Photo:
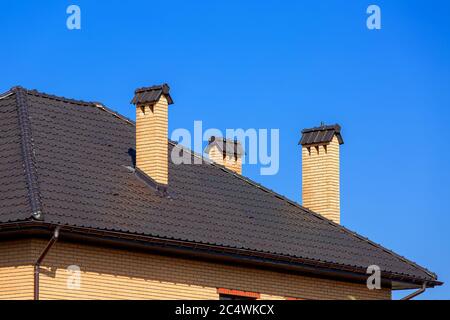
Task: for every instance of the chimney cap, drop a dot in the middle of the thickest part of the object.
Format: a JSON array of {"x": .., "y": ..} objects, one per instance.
[
  {"x": 227, "y": 146},
  {"x": 151, "y": 94},
  {"x": 321, "y": 134}
]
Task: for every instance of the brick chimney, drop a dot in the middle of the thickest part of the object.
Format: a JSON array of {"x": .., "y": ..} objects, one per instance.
[
  {"x": 320, "y": 170},
  {"x": 226, "y": 152},
  {"x": 152, "y": 131}
]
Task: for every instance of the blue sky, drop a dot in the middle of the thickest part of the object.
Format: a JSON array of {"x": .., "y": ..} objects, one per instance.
[{"x": 275, "y": 64}]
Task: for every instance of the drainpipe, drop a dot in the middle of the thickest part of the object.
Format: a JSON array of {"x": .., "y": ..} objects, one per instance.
[
  {"x": 416, "y": 293},
  {"x": 38, "y": 262}
]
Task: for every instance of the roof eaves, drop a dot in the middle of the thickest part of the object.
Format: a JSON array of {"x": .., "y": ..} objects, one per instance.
[
  {"x": 212, "y": 248},
  {"x": 98, "y": 105}
]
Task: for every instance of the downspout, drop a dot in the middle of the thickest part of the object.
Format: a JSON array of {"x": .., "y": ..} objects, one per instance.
[
  {"x": 38, "y": 262},
  {"x": 416, "y": 293}
]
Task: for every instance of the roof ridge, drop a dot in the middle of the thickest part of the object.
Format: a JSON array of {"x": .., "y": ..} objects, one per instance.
[
  {"x": 336, "y": 127},
  {"x": 163, "y": 86},
  {"x": 57, "y": 98},
  {"x": 98, "y": 105},
  {"x": 27, "y": 147},
  {"x": 114, "y": 113},
  {"x": 6, "y": 94}
]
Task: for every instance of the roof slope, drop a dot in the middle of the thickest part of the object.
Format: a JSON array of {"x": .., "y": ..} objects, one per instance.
[{"x": 81, "y": 153}]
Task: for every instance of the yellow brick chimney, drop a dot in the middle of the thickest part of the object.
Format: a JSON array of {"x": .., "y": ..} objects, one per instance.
[
  {"x": 226, "y": 152},
  {"x": 152, "y": 131},
  {"x": 320, "y": 170}
]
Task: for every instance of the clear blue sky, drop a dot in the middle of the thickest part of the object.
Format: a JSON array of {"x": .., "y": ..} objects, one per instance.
[{"x": 275, "y": 64}]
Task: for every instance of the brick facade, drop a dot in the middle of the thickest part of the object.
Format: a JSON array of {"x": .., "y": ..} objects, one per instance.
[{"x": 122, "y": 274}]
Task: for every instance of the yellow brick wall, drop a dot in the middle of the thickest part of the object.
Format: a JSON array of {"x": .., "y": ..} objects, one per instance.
[
  {"x": 151, "y": 140},
  {"x": 16, "y": 271},
  {"x": 229, "y": 162},
  {"x": 121, "y": 274},
  {"x": 320, "y": 179}
]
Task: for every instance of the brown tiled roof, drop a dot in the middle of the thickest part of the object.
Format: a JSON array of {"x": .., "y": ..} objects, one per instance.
[
  {"x": 322, "y": 134},
  {"x": 73, "y": 161}
]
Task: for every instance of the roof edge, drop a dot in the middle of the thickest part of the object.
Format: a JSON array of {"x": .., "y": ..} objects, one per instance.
[
  {"x": 336, "y": 127},
  {"x": 242, "y": 255}
]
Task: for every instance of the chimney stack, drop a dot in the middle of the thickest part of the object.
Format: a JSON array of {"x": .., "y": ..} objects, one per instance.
[
  {"x": 320, "y": 170},
  {"x": 152, "y": 131},
  {"x": 226, "y": 152}
]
